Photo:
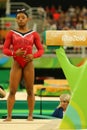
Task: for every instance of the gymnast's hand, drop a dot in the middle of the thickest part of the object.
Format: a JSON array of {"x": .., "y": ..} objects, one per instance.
[
  {"x": 20, "y": 52},
  {"x": 28, "y": 57}
]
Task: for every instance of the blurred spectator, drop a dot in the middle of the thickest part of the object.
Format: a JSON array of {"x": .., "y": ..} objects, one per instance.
[
  {"x": 71, "y": 11},
  {"x": 47, "y": 9},
  {"x": 49, "y": 23},
  {"x": 59, "y": 9},
  {"x": 41, "y": 11},
  {"x": 61, "y": 108},
  {"x": 52, "y": 9}
]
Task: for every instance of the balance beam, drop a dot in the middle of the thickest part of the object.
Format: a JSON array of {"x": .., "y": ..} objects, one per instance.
[
  {"x": 75, "y": 117},
  {"x": 66, "y": 38}
]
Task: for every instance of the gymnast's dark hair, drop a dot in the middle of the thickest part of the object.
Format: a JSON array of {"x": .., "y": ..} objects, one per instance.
[{"x": 21, "y": 11}]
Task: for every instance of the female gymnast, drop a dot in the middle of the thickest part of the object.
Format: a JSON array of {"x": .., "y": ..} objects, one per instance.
[{"x": 19, "y": 44}]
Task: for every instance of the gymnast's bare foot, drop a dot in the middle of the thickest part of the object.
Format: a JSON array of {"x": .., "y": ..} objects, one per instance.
[
  {"x": 7, "y": 119},
  {"x": 30, "y": 118}
]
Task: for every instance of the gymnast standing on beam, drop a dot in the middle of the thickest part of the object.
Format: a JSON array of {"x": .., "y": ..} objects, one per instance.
[{"x": 22, "y": 41}]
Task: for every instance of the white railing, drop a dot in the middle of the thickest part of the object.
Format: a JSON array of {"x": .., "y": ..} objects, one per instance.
[
  {"x": 17, "y": 5},
  {"x": 33, "y": 12}
]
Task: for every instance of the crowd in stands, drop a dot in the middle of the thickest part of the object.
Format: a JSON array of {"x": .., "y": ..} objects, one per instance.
[{"x": 73, "y": 18}]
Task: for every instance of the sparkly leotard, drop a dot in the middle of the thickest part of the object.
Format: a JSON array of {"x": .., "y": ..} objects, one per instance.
[{"x": 25, "y": 41}]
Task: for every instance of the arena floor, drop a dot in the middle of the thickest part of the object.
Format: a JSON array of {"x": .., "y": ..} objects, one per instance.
[{"x": 36, "y": 124}]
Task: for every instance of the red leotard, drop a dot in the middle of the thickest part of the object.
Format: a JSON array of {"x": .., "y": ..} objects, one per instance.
[{"x": 24, "y": 41}]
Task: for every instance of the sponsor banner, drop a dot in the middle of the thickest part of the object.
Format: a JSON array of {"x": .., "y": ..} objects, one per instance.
[{"x": 66, "y": 38}]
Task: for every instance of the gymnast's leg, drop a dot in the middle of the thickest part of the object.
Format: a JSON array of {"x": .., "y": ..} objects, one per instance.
[
  {"x": 15, "y": 76},
  {"x": 28, "y": 74},
  {"x": 2, "y": 92}
]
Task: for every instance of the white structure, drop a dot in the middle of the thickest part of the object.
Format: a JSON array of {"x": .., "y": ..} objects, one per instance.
[{"x": 8, "y": 7}]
